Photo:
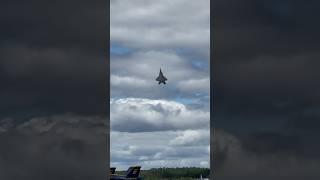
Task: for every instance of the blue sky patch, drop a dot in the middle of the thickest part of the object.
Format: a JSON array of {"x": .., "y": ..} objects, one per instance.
[
  {"x": 200, "y": 64},
  {"x": 185, "y": 100},
  {"x": 116, "y": 49}
]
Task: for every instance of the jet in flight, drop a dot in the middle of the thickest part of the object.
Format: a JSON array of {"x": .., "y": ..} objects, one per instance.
[{"x": 161, "y": 78}]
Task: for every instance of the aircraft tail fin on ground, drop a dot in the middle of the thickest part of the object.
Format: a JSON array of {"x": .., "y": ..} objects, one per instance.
[
  {"x": 133, "y": 172},
  {"x": 112, "y": 170}
]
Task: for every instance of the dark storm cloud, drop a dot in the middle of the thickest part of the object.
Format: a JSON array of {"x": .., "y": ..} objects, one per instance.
[
  {"x": 266, "y": 86},
  {"x": 53, "y": 61}
]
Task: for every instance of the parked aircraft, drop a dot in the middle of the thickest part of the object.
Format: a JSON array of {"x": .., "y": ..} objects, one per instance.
[{"x": 132, "y": 174}]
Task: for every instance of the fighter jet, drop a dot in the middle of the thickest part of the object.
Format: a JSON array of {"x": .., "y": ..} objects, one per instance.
[{"x": 161, "y": 78}]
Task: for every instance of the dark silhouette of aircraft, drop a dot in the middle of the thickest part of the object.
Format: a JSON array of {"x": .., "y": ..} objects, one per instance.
[
  {"x": 161, "y": 78},
  {"x": 132, "y": 174},
  {"x": 112, "y": 170}
]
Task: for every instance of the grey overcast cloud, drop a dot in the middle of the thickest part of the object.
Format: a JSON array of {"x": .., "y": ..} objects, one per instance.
[{"x": 160, "y": 125}]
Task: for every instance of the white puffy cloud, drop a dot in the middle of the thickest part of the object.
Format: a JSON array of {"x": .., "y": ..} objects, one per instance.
[
  {"x": 127, "y": 81},
  {"x": 154, "y": 149},
  {"x": 138, "y": 115},
  {"x": 204, "y": 164},
  {"x": 191, "y": 138}
]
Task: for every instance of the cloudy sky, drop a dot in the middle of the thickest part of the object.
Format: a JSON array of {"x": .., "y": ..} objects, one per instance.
[{"x": 160, "y": 125}]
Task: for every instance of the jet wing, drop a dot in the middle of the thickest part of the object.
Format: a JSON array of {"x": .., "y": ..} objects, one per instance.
[
  {"x": 164, "y": 78},
  {"x": 158, "y": 78}
]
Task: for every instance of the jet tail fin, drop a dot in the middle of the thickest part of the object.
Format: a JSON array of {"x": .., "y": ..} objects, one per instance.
[
  {"x": 133, "y": 172},
  {"x": 112, "y": 170}
]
